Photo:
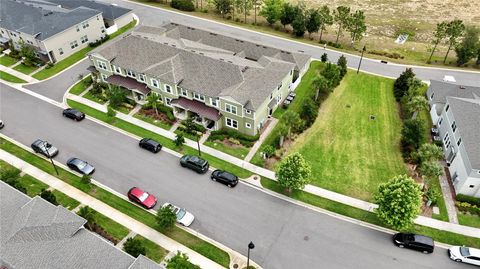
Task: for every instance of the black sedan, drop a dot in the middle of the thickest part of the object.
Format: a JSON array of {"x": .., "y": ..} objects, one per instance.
[
  {"x": 150, "y": 145},
  {"x": 73, "y": 114},
  {"x": 224, "y": 177},
  {"x": 80, "y": 166},
  {"x": 195, "y": 163},
  {"x": 417, "y": 242}
]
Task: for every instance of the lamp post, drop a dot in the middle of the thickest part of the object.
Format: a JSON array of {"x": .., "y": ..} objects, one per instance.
[
  {"x": 361, "y": 57},
  {"x": 250, "y": 246},
  {"x": 45, "y": 144},
  {"x": 198, "y": 145}
]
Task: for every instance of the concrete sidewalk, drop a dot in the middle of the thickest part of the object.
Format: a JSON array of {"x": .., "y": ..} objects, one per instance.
[
  {"x": 130, "y": 223},
  {"x": 357, "y": 203},
  {"x": 17, "y": 74}
]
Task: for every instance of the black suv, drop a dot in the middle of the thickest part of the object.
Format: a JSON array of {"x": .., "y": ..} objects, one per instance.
[
  {"x": 224, "y": 177},
  {"x": 73, "y": 114},
  {"x": 150, "y": 145},
  {"x": 414, "y": 241},
  {"x": 195, "y": 163}
]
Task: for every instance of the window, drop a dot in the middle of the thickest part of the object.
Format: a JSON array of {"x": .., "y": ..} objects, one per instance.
[
  {"x": 98, "y": 18},
  {"x": 447, "y": 107},
  {"x": 85, "y": 24},
  {"x": 271, "y": 96},
  {"x": 231, "y": 109},
  {"x": 291, "y": 72},
  {"x": 445, "y": 137},
  {"x": 118, "y": 70},
  {"x": 231, "y": 123},
  {"x": 60, "y": 51},
  {"x": 440, "y": 121},
  {"x": 130, "y": 73},
  {"x": 248, "y": 111},
  {"x": 459, "y": 141},
  {"x": 198, "y": 96},
  {"x": 248, "y": 125},
  {"x": 280, "y": 86},
  {"x": 214, "y": 102},
  {"x": 73, "y": 44},
  {"x": 454, "y": 126},
  {"x": 183, "y": 92},
  {"x": 168, "y": 88},
  {"x": 168, "y": 101},
  {"x": 84, "y": 39},
  {"x": 471, "y": 187},
  {"x": 104, "y": 78},
  {"x": 155, "y": 83},
  {"x": 141, "y": 77},
  {"x": 431, "y": 96},
  {"x": 78, "y": 28},
  {"x": 102, "y": 65},
  {"x": 103, "y": 29}
]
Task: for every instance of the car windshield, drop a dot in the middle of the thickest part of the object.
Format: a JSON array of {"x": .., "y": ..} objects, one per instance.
[
  {"x": 464, "y": 251},
  {"x": 143, "y": 197},
  {"x": 180, "y": 213},
  {"x": 81, "y": 164}
]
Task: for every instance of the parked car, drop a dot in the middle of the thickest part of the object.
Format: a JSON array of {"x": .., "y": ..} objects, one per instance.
[
  {"x": 224, "y": 177},
  {"x": 437, "y": 138},
  {"x": 414, "y": 241},
  {"x": 73, "y": 114},
  {"x": 464, "y": 254},
  {"x": 142, "y": 198},
  {"x": 183, "y": 216},
  {"x": 1, "y": 124},
  {"x": 44, "y": 148},
  {"x": 292, "y": 94},
  {"x": 150, "y": 145},
  {"x": 80, "y": 166},
  {"x": 434, "y": 131},
  {"x": 195, "y": 163},
  {"x": 289, "y": 98},
  {"x": 286, "y": 103}
]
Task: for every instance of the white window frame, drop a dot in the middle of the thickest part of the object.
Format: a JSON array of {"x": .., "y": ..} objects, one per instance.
[
  {"x": 104, "y": 77},
  {"x": 168, "y": 101},
  {"x": 154, "y": 81},
  {"x": 248, "y": 111},
  {"x": 141, "y": 77},
  {"x": 84, "y": 39},
  {"x": 183, "y": 92},
  {"x": 117, "y": 69},
  {"x": 73, "y": 44},
  {"x": 248, "y": 125},
  {"x": 102, "y": 65},
  {"x": 231, "y": 123},
  {"x": 198, "y": 97},
  {"x": 85, "y": 24},
  {"x": 165, "y": 87},
  {"x": 60, "y": 51},
  {"x": 78, "y": 28},
  {"x": 214, "y": 102},
  {"x": 231, "y": 108},
  {"x": 131, "y": 74}
]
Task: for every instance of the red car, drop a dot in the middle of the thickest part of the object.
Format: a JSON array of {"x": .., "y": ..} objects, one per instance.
[{"x": 142, "y": 198}]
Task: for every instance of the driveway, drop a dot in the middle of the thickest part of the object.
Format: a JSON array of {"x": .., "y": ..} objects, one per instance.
[{"x": 286, "y": 235}]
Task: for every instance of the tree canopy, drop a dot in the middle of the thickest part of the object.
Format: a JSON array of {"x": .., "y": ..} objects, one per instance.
[{"x": 293, "y": 172}]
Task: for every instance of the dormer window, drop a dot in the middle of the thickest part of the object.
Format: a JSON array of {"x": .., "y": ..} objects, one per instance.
[
  {"x": 168, "y": 88},
  {"x": 130, "y": 73}
]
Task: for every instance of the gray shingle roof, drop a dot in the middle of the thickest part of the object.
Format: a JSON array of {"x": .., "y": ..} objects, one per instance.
[
  {"x": 179, "y": 59},
  {"x": 467, "y": 118},
  {"x": 40, "y": 22},
  {"x": 109, "y": 12},
  {"x": 37, "y": 234}
]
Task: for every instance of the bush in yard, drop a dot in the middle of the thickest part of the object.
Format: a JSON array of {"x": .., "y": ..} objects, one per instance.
[
  {"x": 332, "y": 73},
  {"x": 427, "y": 152},
  {"x": 11, "y": 177},
  {"x": 245, "y": 140},
  {"x": 401, "y": 85},
  {"x": 116, "y": 95},
  {"x": 412, "y": 135},
  {"x": 179, "y": 140},
  {"x": 111, "y": 112},
  {"x": 292, "y": 121},
  {"x": 431, "y": 169},
  {"x": 308, "y": 112},
  {"x": 322, "y": 88},
  {"x": 468, "y": 199},
  {"x": 398, "y": 202},
  {"x": 86, "y": 179},
  {"x": 88, "y": 214},
  {"x": 134, "y": 247},
  {"x": 166, "y": 218},
  {"x": 342, "y": 65},
  {"x": 49, "y": 196},
  {"x": 324, "y": 57},
  {"x": 432, "y": 195},
  {"x": 467, "y": 207},
  {"x": 180, "y": 261},
  {"x": 293, "y": 172},
  {"x": 268, "y": 150}
]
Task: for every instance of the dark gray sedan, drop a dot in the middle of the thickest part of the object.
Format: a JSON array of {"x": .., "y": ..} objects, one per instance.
[
  {"x": 44, "y": 148},
  {"x": 80, "y": 166}
]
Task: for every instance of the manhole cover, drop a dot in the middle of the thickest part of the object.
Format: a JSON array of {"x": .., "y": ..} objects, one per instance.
[
  {"x": 306, "y": 238},
  {"x": 235, "y": 266},
  {"x": 255, "y": 177}
]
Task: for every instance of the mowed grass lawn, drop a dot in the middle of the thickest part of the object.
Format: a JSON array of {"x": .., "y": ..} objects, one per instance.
[{"x": 350, "y": 153}]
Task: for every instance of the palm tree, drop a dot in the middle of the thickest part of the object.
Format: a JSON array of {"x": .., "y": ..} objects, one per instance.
[
  {"x": 416, "y": 104},
  {"x": 88, "y": 214},
  {"x": 153, "y": 99},
  {"x": 320, "y": 84}
]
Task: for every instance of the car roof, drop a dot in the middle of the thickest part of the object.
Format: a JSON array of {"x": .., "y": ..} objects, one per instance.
[
  {"x": 474, "y": 252},
  {"x": 151, "y": 141},
  {"x": 228, "y": 175},
  {"x": 37, "y": 142},
  {"x": 136, "y": 191},
  {"x": 76, "y": 160},
  {"x": 423, "y": 239}
]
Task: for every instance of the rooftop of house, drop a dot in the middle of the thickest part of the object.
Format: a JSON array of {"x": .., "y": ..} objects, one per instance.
[
  {"x": 37, "y": 234},
  {"x": 109, "y": 12},
  {"x": 441, "y": 90},
  {"x": 40, "y": 19},
  {"x": 204, "y": 62},
  {"x": 466, "y": 113}
]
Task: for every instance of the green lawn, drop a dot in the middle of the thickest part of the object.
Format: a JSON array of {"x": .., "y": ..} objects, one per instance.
[
  {"x": 34, "y": 186},
  {"x": 112, "y": 227},
  {"x": 7, "y": 60},
  {"x": 10, "y": 78},
  {"x": 469, "y": 220},
  {"x": 350, "y": 153},
  {"x": 77, "y": 56},
  {"x": 93, "y": 98},
  {"x": 81, "y": 85},
  {"x": 157, "y": 123},
  {"x": 154, "y": 252},
  {"x": 204, "y": 248},
  {"x": 25, "y": 69},
  {"x": 66, "y": 201},
  {"x": 437, "y": 235},
  {"x": 237, "y": 151}
]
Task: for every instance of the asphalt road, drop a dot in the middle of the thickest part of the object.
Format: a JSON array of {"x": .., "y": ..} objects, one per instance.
[{"x": 286, "y": 235}]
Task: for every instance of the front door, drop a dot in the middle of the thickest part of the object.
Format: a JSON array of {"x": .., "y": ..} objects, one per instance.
[{"x": 270, "y": 111}]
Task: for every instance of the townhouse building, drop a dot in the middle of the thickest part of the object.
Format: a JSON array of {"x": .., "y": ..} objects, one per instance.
[
  {"x": 219, "y": 81},
  {"x": 455, "y": 110}
]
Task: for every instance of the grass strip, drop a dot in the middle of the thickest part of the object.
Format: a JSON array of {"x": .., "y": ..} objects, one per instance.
[
  {"x": 81, "y": 85},
  {"x": 202, "y": 247},
  {"x": 25, "y": 69},
  {"x": 110, "y": 226},
  {"x": 66, "y": 201},
  {"x": 349, "y": 211},
  {"x": 7, "y": 60},
  {"x": 154, "y": 252},
  {"x": 10, "y": 78}
]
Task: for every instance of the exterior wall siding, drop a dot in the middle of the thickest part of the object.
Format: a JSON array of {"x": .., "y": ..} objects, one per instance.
[{"x": 124, "y": 20}]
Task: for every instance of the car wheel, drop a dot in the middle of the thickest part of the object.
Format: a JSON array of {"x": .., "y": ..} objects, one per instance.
[
  {"x": 230, "y": 185},
  {"x": 214, "y": 179},
  {"x": 401, "y": 246},
  {"x": 458, "y": 260},
  {"x": 425, "y": 252}
]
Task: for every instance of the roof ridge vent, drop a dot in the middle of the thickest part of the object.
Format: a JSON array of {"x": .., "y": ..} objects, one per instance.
[{"x": 462, "y": 87}]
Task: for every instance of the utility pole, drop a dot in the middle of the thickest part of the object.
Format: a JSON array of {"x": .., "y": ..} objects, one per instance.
[{"x": 361, "y": 57}]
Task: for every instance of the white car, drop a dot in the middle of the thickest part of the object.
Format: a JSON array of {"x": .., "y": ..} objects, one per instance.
[
  {"x": 465, "y": 254},
  {"x": 183, "y": 216}
]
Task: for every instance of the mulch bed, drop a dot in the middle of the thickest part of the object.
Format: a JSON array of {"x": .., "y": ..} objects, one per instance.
[
  {"x": 100, "y": 231},
  {"x": 160, "y": 116}
]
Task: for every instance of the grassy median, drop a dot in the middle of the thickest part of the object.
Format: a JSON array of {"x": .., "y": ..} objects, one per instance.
[{"x": 10, "y": 78}]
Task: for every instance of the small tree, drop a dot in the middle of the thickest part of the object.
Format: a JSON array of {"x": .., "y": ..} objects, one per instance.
[
  {"x": 223, "y": 6},
  {"x": 166, "y": 218},
  {"x": 179, "y": 140},
  {"x": 401, "y": 85},
  {"x": 321, "y": 86},
  {"x": 11, "y": 177},
  {"x": 308, "y": 112},
  {"x": 324, "y": 57},
  {"x": 312, "y": 21},
  {"x": 417, "y": 103},
  {"x": 356, "y": 25},
  {"x": 412, "y": 134},
  {"x": 287, "y": 14},
  {"x": 152, "y": 100},
  {"x": 268, "y": 150},
  {"x": 271, "y": 10},
  {"x": 332, "y": 74},
  {"x": 398, "y": 202},
  {"x": 49, "y": 196},
  {"x": 455, "y": 29},
  {"x": 468, "y": 48},
  {"x": 116, "y": 96},
  {"x": 180, "y": 261},
  {"x": 134, "y": 247},
  {"x": 88, "y": 214},
  {"x": 438, "y": 36},
  {"x": 342, "y": 66},
  {"x": 28, "y": 52},
  {"x": 429, "y": 152},
  {"x": 298, "y": 23},
  {"x": 292, "y": 121},
  {"x": 111, "y": 112},
  {"x": 86, "y": 179},
  {"x": 342, "y": 18},
  {"x": 326, "y": 19},
  {"x": 293, "y": 172},
  {"x": 431, "y": 169}
]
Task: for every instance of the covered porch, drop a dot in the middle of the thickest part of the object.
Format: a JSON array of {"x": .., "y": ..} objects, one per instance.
[
  {"x": 202, "y": 114},
  {"x": 139, "y": 91}
]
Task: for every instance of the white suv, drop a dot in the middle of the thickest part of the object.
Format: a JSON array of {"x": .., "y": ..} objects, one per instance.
[{"x": 465, "y": 254}]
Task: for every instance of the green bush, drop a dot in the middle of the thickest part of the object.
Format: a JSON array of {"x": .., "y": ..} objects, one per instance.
[
  {"x": 245, "y": 140},
  {"x": 467, "y": 207},
  {"x": 469, "y": 199},
  {"x": 432, "y": 195},
  {"x": 185, "y": 5}
]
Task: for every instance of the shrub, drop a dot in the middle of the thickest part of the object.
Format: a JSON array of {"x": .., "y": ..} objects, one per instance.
[
  {"x": 467, "y": 207},
  {"x": 234, "y": 141},
  {"x": 245, "y": 140},
  {"x": 185, "y": 5},
  {"x": 86, "y": 179},
  {"x": 468, "y": 199},
  {"x": 49, "y": 197},
  {"x": 432, "y": 195},
  {"x": 134, "y": 247},
  {"x": 324, "y": 58},
  {"x": 111, "y": 112},
  {"x": 179, "y": 140},
  {"x": 268, "y": 150}
]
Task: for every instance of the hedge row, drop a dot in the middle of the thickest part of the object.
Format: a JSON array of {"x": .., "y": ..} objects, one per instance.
[
  {"x": 245, "y": 140},
  {"x": 468, "y": 199}
]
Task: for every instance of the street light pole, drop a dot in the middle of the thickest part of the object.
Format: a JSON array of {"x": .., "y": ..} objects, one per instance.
[
  {"x": 250, "y": 246},
  {"x": 361, "y": 57},
  {"x": 198, "y": 145},
  {"x": 45, "y": 143}
]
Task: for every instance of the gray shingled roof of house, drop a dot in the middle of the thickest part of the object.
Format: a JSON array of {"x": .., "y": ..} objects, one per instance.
[
  {"x": 442, "y": 89},
  {"x": 109, "y": 12},
  {"x": 40, "y": 22},
  {"x": 37, "y": 234},
  {"x": 466, "y": 113},
  {"x": 200, "y": 67}
]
